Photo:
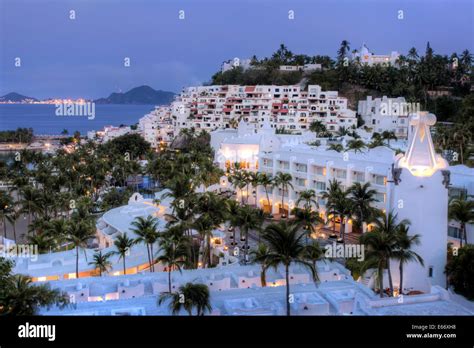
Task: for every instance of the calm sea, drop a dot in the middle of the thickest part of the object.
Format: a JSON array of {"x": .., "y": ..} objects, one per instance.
[{"x": 42, "y": 118}]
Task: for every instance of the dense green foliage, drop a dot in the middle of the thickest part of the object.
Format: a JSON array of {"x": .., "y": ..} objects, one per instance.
[
  {"x": 133, "y": 144},
  {"x": 460, "y": 271},
  {"x": 414, "y": 77},
  {"x": 18, "y": 296},
  {"x": 21, "y": 135}
]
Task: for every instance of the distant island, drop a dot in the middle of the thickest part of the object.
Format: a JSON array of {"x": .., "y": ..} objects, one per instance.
[
  {"x": 139, "y": 95},
  {"x": 14, "y": 97},
  {"x": 136, "y": 96}
]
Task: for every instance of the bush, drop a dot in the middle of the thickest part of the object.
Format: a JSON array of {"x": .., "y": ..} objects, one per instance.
[{"x": 460, "y": 271}]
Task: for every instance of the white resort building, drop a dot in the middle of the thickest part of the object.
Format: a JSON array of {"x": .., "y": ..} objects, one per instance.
[
  {"x": 386, "y": 114},
  {"x": 156, "y": 127},
  {"x": 284, "y": 107},
  {"x": 313, "y": 167},
  {"x": 364, "y": 56},
  {"x": 414, "y": 185},
  {"x": 109, "y": 133}
]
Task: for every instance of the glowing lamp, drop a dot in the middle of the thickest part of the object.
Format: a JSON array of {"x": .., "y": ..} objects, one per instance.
[{"x": 421, "y": 159}]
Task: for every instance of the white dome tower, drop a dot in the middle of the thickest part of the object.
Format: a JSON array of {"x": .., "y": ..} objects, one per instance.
[{"x": 420, "y": 194}]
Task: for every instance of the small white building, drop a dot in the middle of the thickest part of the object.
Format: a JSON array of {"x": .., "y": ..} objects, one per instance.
[
  {"x": 364, "y": 56},
  {"x": 156, "y": 127},
  {"x": 387, "y": 114},
  {"x": 234, "y": 63},
  {"x": 114, "y": 132}
]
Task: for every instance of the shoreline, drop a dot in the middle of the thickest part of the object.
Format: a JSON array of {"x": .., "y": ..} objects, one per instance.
[{"x": 45, "y": 124}]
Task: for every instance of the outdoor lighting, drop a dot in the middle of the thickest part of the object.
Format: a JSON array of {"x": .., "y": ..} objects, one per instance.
[{"x": 421, "y": 159}]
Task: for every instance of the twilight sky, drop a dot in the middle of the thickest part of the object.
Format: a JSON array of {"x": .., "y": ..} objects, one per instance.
[{"x": 84, "y": 57}]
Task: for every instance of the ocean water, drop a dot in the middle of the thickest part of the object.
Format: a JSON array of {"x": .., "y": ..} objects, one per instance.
[{"x": 43, "y": 119}]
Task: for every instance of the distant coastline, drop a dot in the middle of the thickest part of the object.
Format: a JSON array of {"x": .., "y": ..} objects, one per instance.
[
  {"x": 43, "y": 120},
  {"x": 142, "y": 95}
]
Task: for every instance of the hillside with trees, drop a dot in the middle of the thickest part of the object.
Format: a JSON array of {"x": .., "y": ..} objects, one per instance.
[{"x": 438, "y": 82}]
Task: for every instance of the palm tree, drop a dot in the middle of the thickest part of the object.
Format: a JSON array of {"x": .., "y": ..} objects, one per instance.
[
  {"x": 313, "y": 253},
  {"x": 462, "y": 136},
  {"x": 21, "y": 297},
  {"x": 212, "y": 212},
  {"x": 283, "y": 180},
  {"x": 232, "y": 209},
  {"x": 260, "y": 255},
  {"x": 247, "y": 219},
  {"x": 361, "y": 196},
  {"x": 413, "y": 54},
  {"x": 173, "y": 254},
  {"x": 317, "y": 127},
  {"x": 329, "y": 195},
  {"x": 356, "y": 145},
  {"x": 335, "y": 147},
  {"x": 101, "y": 262},
  {"x": 462, "y": 210},
  {"x": 267, "y": 182},
  {"x": 254, "y": 179},
  {"x": 459, "y": 272},
  {"x": 6, "y": 204},
  {"x": 403, "y": 252},
  {"x": 381, "y": 243},
  {"x": 342, "y": 52},
  {"x": 123, "y": 244},
  {"x": 181, "y": 187},
  {"x": 42, "y": 241},
  {"x": 190, "y": 296},
  {"x": 58, "y": 229},
  {"x": 307, "y": 219},
  {"x": 78, "y": 234},
  {"x": 146, "y": 230},
  {"x": 286, "y": 247},
  {"x": 239, "y": 180},
  {"x": 376, "y": 142},
  {"x": 340, "y": 205},
  {"x": 308, "y": 197},
  {"x": 389, "y": 135},
  {"x": 342, "y": 131},
  {"x": 12, "y": 217},
  {"x": 204, "y": 225}
]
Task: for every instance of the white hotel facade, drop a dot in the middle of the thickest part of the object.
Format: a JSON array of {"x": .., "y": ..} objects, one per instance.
[
  {"x": 288, "y": 107},
  {"x": 386, "y": 114},
  {"x": 313, "y": 167},
  {"x": 415, "y": 185},
  {"x": 364, "y": 56},
  {"x": 156, "y": 127}
]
